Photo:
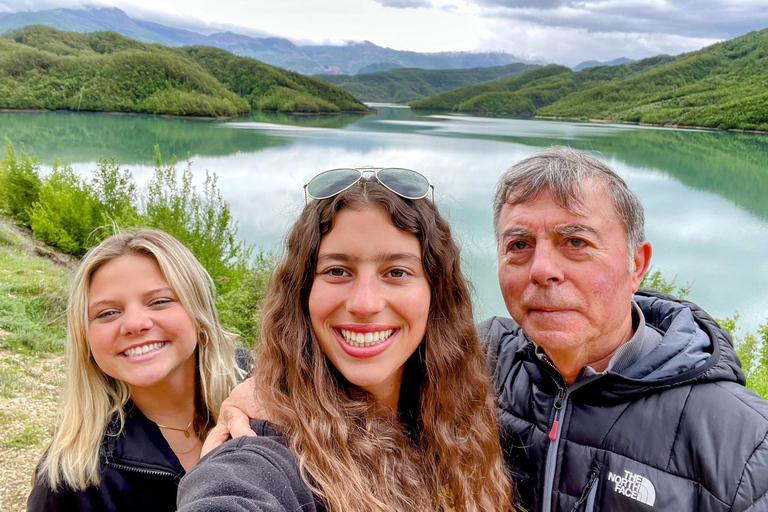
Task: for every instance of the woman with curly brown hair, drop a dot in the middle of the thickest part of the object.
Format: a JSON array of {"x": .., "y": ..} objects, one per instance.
[{"x": 369, "y": 367}]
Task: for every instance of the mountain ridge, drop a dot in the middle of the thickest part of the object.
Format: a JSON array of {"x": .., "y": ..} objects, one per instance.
[
  {"x": 280, "y": 52},
  {"x": 721, "y": 86}
]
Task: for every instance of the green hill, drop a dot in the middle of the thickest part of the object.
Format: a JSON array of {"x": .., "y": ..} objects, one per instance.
[
  {"x": 43, "y": 68},
  {"x": 269, "y": 88},
  {"x": 721, "y": 86},
  {"x": 404, "y": 85}
]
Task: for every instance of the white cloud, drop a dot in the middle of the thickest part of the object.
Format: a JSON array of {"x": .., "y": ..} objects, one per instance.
[{"x": 404, "y": 4}]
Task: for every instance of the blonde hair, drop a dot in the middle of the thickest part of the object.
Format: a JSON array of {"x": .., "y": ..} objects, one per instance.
[{"x": 91, "y": 399}]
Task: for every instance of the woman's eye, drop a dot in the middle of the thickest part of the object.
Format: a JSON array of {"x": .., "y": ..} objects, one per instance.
[
  {"x": 336, "y": 272},
  {"x": 160, "y": 302},
  {"x": 397, "y": 273},
  {"x": 106, "y": 314}
]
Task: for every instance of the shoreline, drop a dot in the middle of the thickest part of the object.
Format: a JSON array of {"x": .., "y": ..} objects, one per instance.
[
  {"x": 672, "y": 126},
  {"x": 174, "y": 116}
]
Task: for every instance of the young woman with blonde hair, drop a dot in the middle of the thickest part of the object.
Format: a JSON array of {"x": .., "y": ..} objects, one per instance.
[
  {"x": 369, "y": 367},
  {"x": 147, "y": 367}
]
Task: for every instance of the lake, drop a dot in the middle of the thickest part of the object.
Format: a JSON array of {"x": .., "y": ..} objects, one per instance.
[{"x": 705, "y": 193}]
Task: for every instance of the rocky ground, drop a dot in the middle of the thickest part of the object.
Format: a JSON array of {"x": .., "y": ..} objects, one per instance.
[{"x": 29, "y": 394}]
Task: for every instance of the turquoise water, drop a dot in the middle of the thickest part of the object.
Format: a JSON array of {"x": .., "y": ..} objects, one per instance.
[{"x": 704, "y": 192}]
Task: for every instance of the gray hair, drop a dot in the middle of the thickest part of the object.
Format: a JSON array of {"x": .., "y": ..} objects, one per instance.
[{"x": 562, "y": 172}]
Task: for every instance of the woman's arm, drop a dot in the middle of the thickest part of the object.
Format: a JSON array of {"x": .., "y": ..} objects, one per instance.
[
  {"x": 253, "y": 474},
  {"x": 234, "y": 416}
]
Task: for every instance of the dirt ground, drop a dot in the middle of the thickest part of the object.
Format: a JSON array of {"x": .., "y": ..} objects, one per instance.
[{"x": 29, "y": 395}]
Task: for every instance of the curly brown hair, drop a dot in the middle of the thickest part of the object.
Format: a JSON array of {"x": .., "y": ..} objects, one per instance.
[{"x": 443, "y": 452}]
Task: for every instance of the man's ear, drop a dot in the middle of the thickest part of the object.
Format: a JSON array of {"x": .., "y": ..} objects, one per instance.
[{"x": 642, "y": 259}]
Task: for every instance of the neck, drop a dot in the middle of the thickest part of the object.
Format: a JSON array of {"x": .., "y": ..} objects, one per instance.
[
  {"x": 596, "y": 354},
  {"x": 168, "y": 403}
]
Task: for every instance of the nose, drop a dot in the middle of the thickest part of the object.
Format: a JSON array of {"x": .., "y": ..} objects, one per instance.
[
  {"x": 367, "y": 296},
  {"x": 135, "y": 321},
  {"x": 545, "y": 267}
]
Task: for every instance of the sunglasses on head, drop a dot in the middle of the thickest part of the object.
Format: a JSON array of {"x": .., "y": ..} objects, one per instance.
[{"x": 406, "y": 183}]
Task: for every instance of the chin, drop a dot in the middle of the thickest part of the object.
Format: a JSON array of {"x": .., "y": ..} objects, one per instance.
[{"x": 554, "y": 339}]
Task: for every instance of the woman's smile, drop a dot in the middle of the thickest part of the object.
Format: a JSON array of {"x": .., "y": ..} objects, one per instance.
[{"x": 369, "y": 306}]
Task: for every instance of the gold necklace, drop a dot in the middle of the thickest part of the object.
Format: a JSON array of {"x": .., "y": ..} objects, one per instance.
[{"x": 185, "y": 430}]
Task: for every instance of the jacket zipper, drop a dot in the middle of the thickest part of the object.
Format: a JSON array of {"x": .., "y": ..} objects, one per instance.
[
  {"x": 586, "y": 493},
  {"x": 152, "y": 472},
  {"x": 554, "y": 440}
]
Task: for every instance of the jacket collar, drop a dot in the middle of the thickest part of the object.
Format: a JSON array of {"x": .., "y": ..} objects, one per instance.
[{"x": 140, "y": 444}]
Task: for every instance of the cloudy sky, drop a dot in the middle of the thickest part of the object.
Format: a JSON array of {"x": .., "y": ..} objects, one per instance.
[{"x": 561, "y": 31}]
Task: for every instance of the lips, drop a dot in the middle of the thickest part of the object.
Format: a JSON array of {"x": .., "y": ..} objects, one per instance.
[
  {"x": 367, "y": 339},
  {"x": 364, "y": 341},
  {"x": 140, "y": 350}
]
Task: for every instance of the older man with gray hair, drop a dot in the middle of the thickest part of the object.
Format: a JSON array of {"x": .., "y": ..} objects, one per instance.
[{"x": 610, "y": 398}]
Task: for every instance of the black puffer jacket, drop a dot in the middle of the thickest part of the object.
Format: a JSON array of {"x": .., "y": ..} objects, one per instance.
[{"x": 678, "y": 432}]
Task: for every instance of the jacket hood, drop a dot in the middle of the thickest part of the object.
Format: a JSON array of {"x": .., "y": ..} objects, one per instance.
[{"x": 693, "y": 345}]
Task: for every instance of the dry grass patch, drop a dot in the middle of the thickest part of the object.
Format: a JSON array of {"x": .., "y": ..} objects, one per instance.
[{"x": 29, "y": 397}]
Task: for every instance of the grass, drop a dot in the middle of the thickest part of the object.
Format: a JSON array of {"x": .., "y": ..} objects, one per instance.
[
  {"x": 30, "y": 435},
  {"x": 33, "y": 291}
]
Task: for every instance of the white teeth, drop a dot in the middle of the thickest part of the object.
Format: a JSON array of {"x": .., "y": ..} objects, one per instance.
[
  {"x": 359, "y": 339},
  {"x": 138, "y": 351}
]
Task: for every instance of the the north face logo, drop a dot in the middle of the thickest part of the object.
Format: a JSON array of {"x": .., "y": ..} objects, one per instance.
[{"x": 634, "y": 486}]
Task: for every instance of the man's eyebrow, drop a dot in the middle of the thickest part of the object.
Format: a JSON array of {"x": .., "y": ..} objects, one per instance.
[
  {"x": 569, "y": 230},
  {"x": 516, "y": 232},
  {"x": 379, "y": 258}
]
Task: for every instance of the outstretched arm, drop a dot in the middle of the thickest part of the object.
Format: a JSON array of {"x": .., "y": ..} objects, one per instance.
[{"x": 246, "y": 475}]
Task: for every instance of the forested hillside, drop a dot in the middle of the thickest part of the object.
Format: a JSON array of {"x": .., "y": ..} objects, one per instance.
[
  {"x": 269, "y": 88},
  {"x": 721, "y": 86},
  {"x": 43, "y": 68},
  {"x": 404, "y": 85}
]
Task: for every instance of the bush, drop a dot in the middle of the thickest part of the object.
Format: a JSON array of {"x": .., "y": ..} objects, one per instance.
[
  {"x": 66, "y": 213},
  {"x": 203, "y": 223},
  {"x": 240, "y": 308},
  {"x": 19, "y": 183},
  {"x": 753, "y": 352}
]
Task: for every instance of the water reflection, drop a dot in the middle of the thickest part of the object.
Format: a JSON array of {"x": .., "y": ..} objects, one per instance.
[{"x": 704, "y": 192}]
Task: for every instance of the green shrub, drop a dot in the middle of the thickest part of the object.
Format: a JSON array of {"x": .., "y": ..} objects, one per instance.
[
  {"x": 654, "y": 280},
  {"x": 19, "y": 183},
  {"x": 116, "y": 192},
  {"x": 240, "y": 307},
  {"x": 66, "y": 212},
  {"x": 203, "y": 223},
  {"x": 753, "y": 353}
]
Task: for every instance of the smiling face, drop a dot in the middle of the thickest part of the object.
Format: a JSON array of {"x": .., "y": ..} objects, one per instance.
[
  {"x": 138, "y": 331},
  {"x": 565, "y": 277},
  {"x": 370, "y": 300}
]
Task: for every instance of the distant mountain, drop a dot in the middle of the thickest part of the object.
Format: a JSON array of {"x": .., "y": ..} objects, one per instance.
[
  {"x": 351, "y": 58},
  {"x": 720, "y": 86},
  {"x": 595, "y": 63},
  {"x": 404, "y": 85},
  {"x": 44, "y": 68}
]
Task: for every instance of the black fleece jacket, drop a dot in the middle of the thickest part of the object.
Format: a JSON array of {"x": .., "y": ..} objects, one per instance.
[{"x": 248, "y": 474}]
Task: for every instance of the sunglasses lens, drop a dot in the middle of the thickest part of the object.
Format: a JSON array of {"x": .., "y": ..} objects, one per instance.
[
  {"x": 330, "y": 183},
  {"x": 405, "y": 182}
]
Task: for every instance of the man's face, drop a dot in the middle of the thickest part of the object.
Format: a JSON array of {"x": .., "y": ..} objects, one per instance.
[{"x": 565, "y": 277}]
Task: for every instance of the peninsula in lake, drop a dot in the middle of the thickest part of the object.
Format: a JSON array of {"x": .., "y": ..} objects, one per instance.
[
  {"x": 721, "y": 86},
  {"x": 44, "y": 68}
]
